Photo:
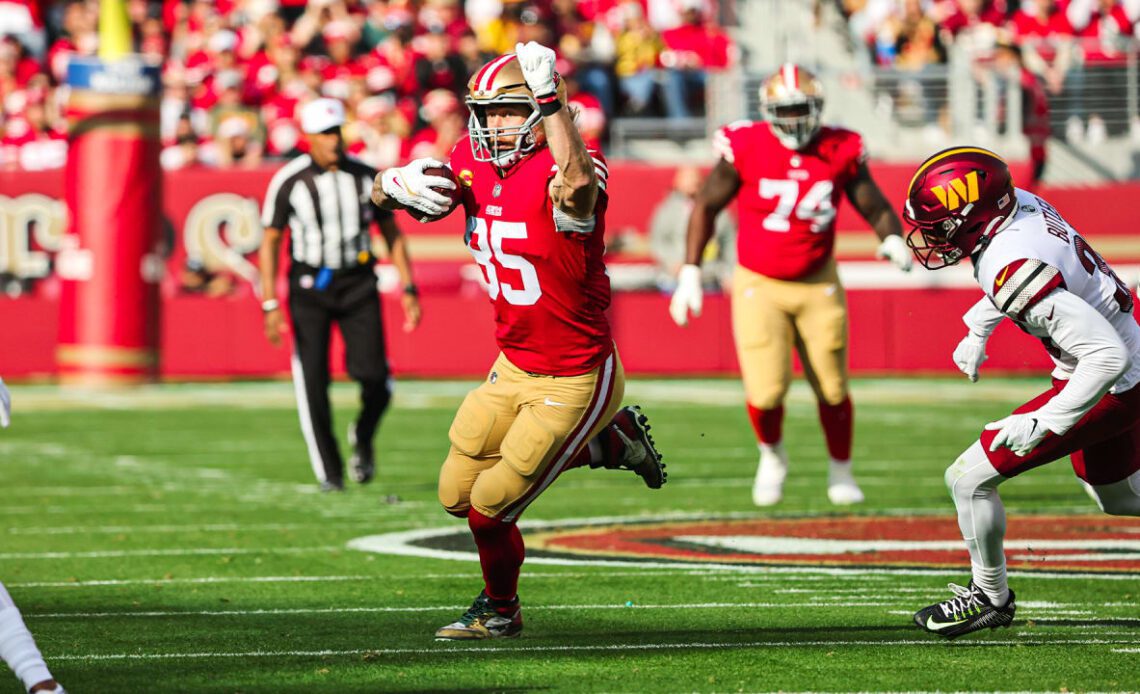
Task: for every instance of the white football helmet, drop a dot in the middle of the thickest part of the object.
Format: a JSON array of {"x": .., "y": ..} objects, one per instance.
[{"x": 792, "y": 101}]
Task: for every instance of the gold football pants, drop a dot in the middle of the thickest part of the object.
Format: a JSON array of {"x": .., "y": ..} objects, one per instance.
[
  {"x": 515, "y": 433},
  {"x": 770, "y": 317}
]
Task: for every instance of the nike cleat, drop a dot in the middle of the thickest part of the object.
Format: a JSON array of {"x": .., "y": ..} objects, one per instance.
[
  {"x": 485, "y": 619},
  {"x": 969, "y": 610},
  {"x": 627, "y": 445}
]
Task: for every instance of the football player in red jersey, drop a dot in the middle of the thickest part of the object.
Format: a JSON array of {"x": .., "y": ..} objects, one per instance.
[
  {"x": 789, "y": 174},
  {"x": 535, "y": 200}
]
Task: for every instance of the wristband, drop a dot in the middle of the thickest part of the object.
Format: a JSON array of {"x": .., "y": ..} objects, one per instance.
[
  {"x": 270, "y": 305},
  {"x": 411, "y": 290},
  {"x": 549, "y": 105}
]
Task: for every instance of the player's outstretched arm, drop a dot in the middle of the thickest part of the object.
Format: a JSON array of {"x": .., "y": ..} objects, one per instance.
[
  {"x": 718, "y": 190},
  {"x": 869, "y": 200},
  {"x": 574, "y": 189}
]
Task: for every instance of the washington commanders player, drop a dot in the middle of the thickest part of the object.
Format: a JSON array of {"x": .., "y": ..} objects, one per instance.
[
  {"x": 1037, "y": 271},
  {"x": 535, "y": 200},
  {"x": 789, "y": 173}
]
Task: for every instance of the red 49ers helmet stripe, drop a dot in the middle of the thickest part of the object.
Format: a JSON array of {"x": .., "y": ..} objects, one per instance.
[
  {"x": 486, "y": 76},
  {"x": 791, "y": 75}
]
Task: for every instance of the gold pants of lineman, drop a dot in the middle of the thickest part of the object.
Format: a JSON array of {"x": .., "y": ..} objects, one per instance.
[{"x": 770, "y": 317}]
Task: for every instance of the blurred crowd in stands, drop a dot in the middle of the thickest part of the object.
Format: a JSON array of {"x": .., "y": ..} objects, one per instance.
[
  {"x": 236, "y": 71},
  {"x": 1073, "y": 49}
]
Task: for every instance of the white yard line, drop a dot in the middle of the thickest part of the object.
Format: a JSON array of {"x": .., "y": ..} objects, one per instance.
[
  {"x": 413, "y": 395},
  {"x": 452, "y": 650},
  {"x": 180, "y": 552},
  {"x": 446, "y": 608},
  {"x": 529, "y": 607},
  {"x": 133, "y": 529}
]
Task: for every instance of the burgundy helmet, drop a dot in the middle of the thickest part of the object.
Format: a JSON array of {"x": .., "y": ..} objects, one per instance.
[{"x": 956, "y": 199}]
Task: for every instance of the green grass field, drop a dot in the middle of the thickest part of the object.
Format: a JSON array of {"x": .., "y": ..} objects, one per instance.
[{"x": 173, "y": 540}]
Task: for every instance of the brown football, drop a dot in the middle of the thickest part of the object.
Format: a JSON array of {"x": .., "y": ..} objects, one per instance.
[{"x": 455, "y": 195}]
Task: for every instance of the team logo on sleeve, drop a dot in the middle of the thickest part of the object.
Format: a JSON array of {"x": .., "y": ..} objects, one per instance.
[
  {"x": 466, "y": 177},
  {"x": 958, "y": 191}
]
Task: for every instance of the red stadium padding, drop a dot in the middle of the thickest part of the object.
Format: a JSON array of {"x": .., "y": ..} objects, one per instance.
[{"x": 896, "y": 326}]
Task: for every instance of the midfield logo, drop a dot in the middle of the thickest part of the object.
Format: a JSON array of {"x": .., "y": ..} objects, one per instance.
[{"x": 958, "y": 192}]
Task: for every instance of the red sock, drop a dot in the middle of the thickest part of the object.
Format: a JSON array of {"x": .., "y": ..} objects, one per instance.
[
  {"x": 838, "y": 425},
  {"x": 501, "y": 554},
  {"x": 769, "y": 424}
]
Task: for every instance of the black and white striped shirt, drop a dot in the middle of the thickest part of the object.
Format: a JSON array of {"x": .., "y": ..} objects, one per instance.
[{"x": 329, "y": 213}]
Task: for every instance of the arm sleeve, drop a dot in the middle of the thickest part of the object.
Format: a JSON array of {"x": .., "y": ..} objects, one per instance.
[
  {"x": 983, "y": 318},
  {"x": 1079, "y": 330}
]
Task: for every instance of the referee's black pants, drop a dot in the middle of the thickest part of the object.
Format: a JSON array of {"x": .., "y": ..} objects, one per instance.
[{"x": 351, "y": 300}]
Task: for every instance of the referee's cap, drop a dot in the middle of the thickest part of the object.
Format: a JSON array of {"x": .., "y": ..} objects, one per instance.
[{"x": 320, "y": 115}]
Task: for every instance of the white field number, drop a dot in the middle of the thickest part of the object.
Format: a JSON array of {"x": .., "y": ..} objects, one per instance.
[
  {"x": 486, "y": 247},
  {"x": 814, "y": 207}
]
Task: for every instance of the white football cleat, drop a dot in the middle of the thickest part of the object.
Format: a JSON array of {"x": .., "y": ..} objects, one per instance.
[
  {"x": 768, "y": 488},
  {"x": 841, "y": 487}
]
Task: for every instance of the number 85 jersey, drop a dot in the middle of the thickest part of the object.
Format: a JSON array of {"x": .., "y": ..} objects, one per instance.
[
  {"x": 549, "y": 288},
  {"x": 787, "y": 197}
]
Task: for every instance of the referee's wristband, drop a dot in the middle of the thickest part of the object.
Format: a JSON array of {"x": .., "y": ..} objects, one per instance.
[{"x": 270, "y": 305}]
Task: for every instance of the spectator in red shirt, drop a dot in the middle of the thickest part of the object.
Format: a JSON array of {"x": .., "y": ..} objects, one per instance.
[
  {"x": 442, "y": 113},
  {"x": 438, "y": 67},
  {"x": 691, "y": 50}
]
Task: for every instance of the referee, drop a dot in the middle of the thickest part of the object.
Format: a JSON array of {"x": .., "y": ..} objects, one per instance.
[{"x": 323, "y": 197}]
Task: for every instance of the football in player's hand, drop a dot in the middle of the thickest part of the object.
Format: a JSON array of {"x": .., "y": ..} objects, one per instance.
[{"x": 455, "y": 194}]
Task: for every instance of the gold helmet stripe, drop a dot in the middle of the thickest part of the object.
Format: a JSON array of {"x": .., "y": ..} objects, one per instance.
[
  {"x": 487, "y": 77},
  {"x": 948, "y": 153}
]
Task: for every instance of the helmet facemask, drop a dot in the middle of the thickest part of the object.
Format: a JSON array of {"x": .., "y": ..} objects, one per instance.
[
  {"x": 505, "y": 146},
  {"x": 795, "y": 120},
  {"x": 937, "y": 249}
]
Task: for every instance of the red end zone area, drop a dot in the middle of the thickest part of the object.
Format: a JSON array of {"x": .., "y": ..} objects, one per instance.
[{"x": 899, "y": 323}]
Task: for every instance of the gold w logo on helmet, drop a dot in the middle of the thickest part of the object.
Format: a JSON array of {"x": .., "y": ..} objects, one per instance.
[{"x": 958, "y": 191}]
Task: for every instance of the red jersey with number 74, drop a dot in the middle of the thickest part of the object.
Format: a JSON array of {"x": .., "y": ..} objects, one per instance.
[
  {"x": 549, "y": 288},
  {"x": 788, "y": 198}
]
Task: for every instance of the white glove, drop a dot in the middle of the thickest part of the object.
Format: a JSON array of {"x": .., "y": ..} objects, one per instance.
[
  {"x": 1019, "y": 433},
  {"x": 537, "y": 63},
  {"x": 969, "y": 355},
  {"x": 894, "y": 249},
  {"x": 5, "y": 405},
  {"x": 688, "y": 296},
  {"x": 409, "y": 186}
]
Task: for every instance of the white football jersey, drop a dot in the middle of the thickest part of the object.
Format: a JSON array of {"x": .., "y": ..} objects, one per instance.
[{"x": 1038, "y": 252}]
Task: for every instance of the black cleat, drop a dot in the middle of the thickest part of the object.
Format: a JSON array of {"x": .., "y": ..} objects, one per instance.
[
  {"x": 627, "y": 445},
  {"x": 485, "y": 619},
  {"x": 362, "y": 463},
  {"x": 969, "y": 610}
]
